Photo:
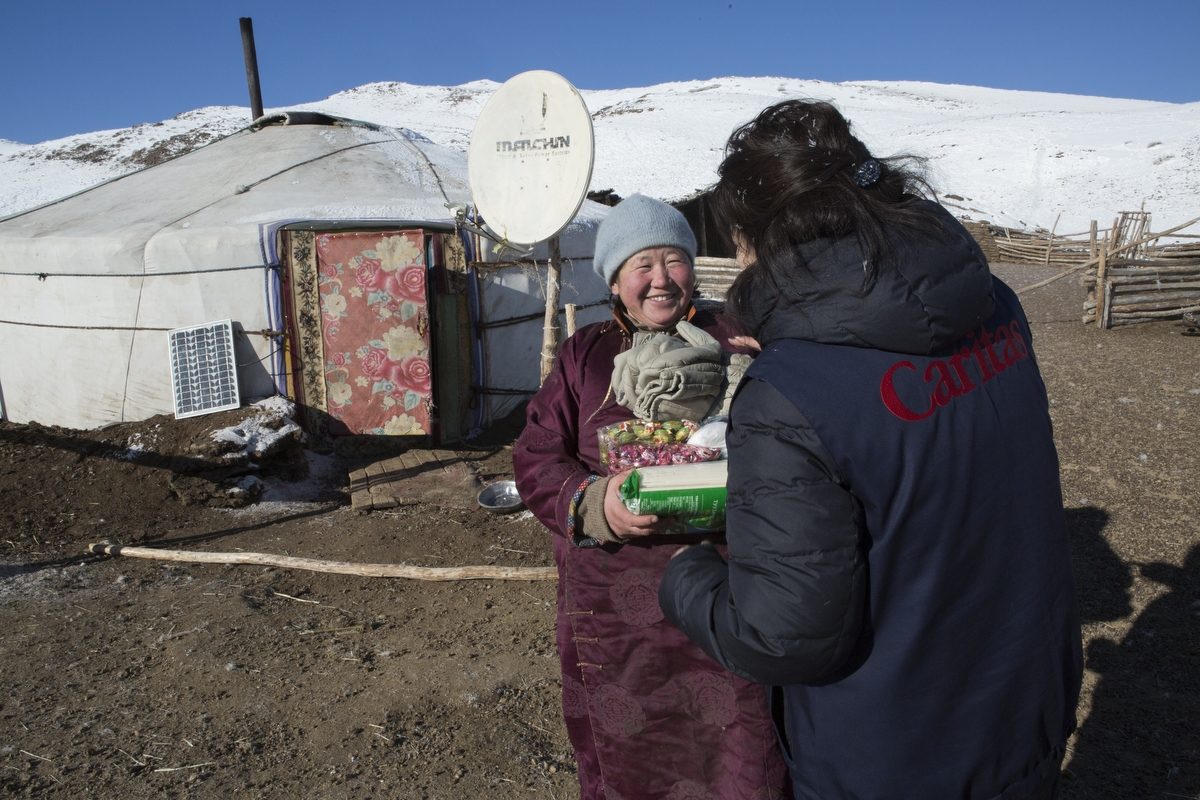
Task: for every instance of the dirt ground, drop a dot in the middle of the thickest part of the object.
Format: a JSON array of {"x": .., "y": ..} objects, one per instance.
[{"x": 132, "y": 678}]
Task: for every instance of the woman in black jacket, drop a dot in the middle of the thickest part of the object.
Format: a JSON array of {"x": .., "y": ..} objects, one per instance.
[{"x": 898, "y": 560}]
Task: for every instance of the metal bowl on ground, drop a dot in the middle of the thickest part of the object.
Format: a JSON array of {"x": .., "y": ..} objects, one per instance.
[{"x": 500, "y": 497}]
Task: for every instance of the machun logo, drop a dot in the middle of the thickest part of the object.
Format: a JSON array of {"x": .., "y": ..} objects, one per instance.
[{"x": 543, "y": 143}]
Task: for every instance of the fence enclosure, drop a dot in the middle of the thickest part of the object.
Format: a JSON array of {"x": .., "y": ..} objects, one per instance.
[{"x": 1131, "y": 277}]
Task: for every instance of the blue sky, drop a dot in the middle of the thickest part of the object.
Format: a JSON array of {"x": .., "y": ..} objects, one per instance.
[{"x": 75, "y": 67}]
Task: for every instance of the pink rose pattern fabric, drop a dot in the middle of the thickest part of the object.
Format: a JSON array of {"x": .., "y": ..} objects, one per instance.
[{"x": 375, "y": 331}]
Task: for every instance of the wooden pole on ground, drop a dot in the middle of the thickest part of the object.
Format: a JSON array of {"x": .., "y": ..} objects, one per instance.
[
  {"x": 550, "y": 326},
  {"x": 490, "y": 573}
]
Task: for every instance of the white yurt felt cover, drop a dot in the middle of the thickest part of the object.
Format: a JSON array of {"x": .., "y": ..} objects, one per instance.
[{"x": 90, "y": 284}]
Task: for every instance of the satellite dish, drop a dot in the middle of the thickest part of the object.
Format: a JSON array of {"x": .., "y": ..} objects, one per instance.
[{"x": 530, "y": 158}]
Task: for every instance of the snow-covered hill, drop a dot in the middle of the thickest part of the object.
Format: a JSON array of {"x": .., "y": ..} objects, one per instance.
[{"x": 1022, "y": 159}]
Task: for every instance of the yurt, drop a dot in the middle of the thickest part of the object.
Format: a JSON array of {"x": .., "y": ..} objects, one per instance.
[{"x": 328, "y": 260}]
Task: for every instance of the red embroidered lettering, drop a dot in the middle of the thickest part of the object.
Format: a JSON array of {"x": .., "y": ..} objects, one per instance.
[
  {"x": 964, "y": 380},
  {"x": 981, "y": 349},
  {"x": 944, "y": 389},
  {"x": 1022, "y": 350},
  {"x": 948, "y": 378},
  {"x": 887, "y": 391}
]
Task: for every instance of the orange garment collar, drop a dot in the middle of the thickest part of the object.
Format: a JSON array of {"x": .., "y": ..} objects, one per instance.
[{"x": 627, "y": 325}]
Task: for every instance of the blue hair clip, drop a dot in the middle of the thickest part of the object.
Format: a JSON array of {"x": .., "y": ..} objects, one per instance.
[{"x": 867, "y": 173}]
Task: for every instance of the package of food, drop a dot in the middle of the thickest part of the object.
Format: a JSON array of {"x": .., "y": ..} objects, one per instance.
[
  {"x": 638, "y": 443},
  {"x": 692, "y": 493}
]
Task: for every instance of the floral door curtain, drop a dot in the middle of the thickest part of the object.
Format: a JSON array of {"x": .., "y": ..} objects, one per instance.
[{"x": 362, "y": 321}]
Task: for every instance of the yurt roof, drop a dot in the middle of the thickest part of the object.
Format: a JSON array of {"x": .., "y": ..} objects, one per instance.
[{"x": 207, "y": 209}]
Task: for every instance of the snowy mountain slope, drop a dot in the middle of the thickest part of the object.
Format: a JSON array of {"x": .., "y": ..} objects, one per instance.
[{"x": 1022, "y": 159}]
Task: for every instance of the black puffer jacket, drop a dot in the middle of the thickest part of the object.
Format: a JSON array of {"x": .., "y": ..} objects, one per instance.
[{"x": 898, "y": 561}]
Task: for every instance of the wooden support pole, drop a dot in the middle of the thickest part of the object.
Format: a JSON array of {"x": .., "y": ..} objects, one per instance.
[
  {"x": 1102, "y": 288},
  {"x": 1050, "y": 241},
  {"x": 570, "y": 311},
  {"x": 1105, "y": 319},
  {"x": 550, "y": 331}
]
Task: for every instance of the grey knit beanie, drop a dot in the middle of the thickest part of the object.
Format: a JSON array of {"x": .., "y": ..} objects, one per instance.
[{"x": 635, "y": 223}]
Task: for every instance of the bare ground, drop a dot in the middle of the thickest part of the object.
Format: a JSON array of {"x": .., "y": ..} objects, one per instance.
[{"x": 129, "y": 678}]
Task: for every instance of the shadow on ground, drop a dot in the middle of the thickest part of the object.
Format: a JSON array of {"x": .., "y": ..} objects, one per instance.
[{"x": 1141, "y": 739}]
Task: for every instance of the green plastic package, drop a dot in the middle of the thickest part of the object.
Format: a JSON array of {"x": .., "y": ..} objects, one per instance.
[{"x": 692, "y": 493}]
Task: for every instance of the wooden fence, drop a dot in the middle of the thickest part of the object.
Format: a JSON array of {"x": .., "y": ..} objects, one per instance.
[
  {"x": 714, "y": 276},
  {"x": 1143, "y": 281},
  {"x": 1049, "y": 250},
  {"x": 1141, "y": 291},
  {"x": 1130, "y": 275}
]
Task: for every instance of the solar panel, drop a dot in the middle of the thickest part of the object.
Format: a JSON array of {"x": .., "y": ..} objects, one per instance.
[{"x": 203, "y": 369}]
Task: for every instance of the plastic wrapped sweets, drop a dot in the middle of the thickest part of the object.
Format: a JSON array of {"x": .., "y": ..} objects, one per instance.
[{"x": 639, "y": 443}]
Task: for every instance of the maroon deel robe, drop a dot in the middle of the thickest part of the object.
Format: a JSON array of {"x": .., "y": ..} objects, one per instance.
[{"x": 649, "y": 714}]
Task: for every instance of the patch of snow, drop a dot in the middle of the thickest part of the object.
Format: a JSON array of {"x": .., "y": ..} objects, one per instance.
[
  {"x": 135, "y": 448},
  {"x": 326, "y": 475},
  {"x": 245, "y": 486},
  {"x": 277, "y": 405},
  {"x": 255, "y": 436}
]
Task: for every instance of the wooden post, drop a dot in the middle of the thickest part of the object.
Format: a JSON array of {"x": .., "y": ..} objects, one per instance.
[
  {"x": 1102, "y": 294},
  {"x": 550, "y": 325},
  {"x": 251, "y": 59},
  {"x": 570, "y": 309},
  {"x": 1092, "y": 241},
  {"x": 1050, "y": 242},
  {"x": 1108, "y": 305}
]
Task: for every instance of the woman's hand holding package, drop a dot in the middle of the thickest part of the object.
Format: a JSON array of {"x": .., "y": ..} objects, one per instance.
[{"x": 623, "y": 522}]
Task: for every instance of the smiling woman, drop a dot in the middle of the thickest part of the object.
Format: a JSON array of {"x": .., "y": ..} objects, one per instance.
[
  {"x": 648, "y": 713},
  {"x": 655, "y": 286}
]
